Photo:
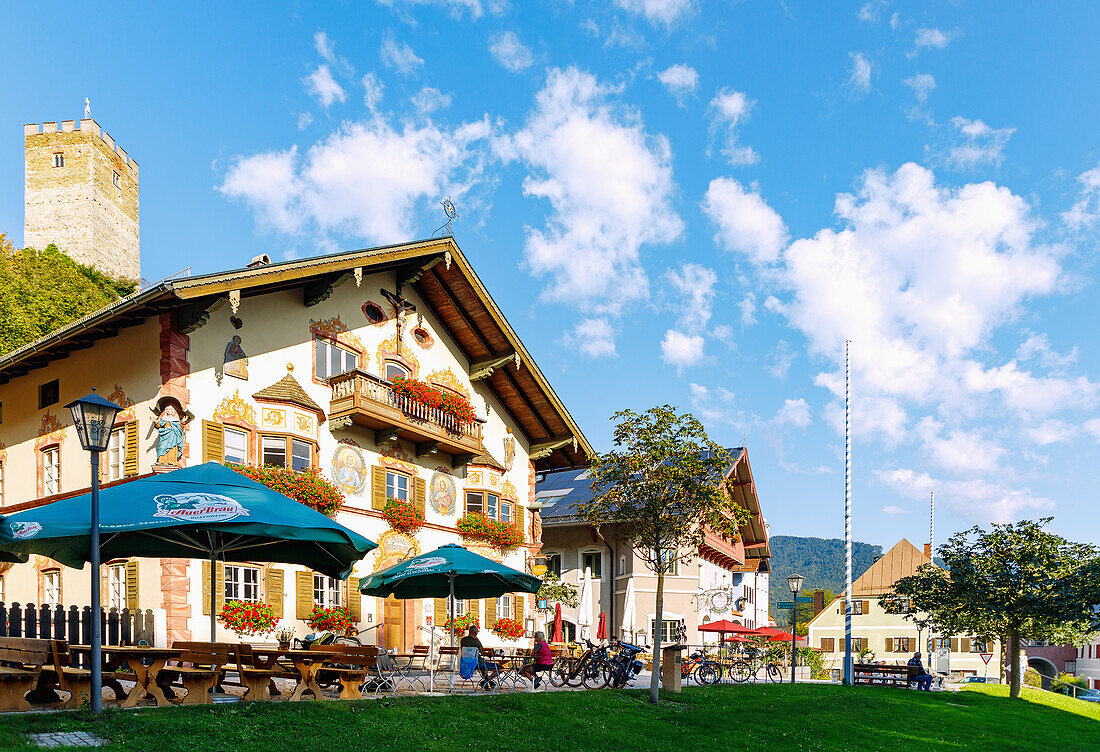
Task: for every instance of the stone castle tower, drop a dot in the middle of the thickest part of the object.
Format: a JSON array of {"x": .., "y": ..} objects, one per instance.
[{"x": 81, "y": 193}]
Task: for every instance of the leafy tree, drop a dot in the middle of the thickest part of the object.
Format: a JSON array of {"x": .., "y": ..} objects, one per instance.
[
  {"x": 41, "y": 291},
  {"x": 553, "y": 590},
  {"x": 658, "y": 491},
  {"x": 1012, "y": 582}
]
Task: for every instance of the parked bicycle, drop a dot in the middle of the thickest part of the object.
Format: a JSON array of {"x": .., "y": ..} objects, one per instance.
[
  {"x": 624, "y": 664},
  {"x": 699, "y": 667},
  {"x": 591, "y": 667},
  {"x": 748, "y": 669}
]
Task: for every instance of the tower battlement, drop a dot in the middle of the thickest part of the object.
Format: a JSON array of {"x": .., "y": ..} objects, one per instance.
[{"x": 81, "y": 193}]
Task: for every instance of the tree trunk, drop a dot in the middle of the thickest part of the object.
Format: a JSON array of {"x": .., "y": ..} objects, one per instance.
[
  {"x": 654, "y": 680},
  {"x": 1014, "y": 658}
]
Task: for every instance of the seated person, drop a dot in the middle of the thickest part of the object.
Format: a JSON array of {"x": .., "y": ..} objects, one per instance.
[
  {"x": 922, "y": 677},
  {"x": 471, "y": 641},
  {"x": 541, "y": 660}
]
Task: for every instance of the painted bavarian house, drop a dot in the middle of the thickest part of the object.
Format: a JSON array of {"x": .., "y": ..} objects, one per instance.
[{"x": 291, "y": 364}]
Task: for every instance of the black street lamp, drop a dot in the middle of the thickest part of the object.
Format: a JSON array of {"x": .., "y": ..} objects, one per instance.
[
  {"x": 94, "y": 418},
  {"x": 794, "y": 582}
]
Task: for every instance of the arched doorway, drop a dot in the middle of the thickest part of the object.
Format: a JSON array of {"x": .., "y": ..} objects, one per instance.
[{"x": 1045, "y": 668}]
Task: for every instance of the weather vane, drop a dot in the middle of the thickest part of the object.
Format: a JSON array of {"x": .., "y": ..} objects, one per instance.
[{"x": 445, "y": 229}]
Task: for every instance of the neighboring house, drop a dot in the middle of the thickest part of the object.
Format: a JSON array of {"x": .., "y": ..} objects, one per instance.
[
  {"x": 289, "y": 364},
  {"x": 727, "y": 579},
  {"x": 893, "y": 638},
  {"x": 1088, "y": 661}
]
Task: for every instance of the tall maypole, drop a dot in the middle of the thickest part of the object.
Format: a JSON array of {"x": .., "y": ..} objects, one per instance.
[{"x": 847, "y": 516}]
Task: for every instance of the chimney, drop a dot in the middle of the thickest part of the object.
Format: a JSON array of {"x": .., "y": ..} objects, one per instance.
[
  {"x": 819, "y": 601},
  {"x": 928, "y": 550},
  {"x": 262, "y": 260}
]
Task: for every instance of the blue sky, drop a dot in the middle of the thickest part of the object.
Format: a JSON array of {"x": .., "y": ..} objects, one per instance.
[{"x": 683, "y": 201}]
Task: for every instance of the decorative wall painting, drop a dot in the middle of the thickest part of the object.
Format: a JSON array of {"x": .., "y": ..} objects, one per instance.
[
  {"x": 235, "y": 362},
  {"x": 349, "y": 469},
  {"x": 443, "y": 492}
]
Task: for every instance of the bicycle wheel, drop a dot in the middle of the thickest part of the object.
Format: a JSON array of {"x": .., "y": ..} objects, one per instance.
[
  {"x": 560, "y": 673},
  {"x": 774, "y": 674},
  {"x": 596, "y": 674},
  {"x": 707, "y": 673},
  {"x": 740, "y": 671},
  {"x": 577, "y": 668}
]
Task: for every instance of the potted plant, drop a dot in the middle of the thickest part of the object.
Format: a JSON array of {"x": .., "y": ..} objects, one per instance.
[
  {"x": 284, "y": 637},
  {"x": 307, "y": 487},
  {"x": 247, "y": 618},
  {"x": 448, "y": 403},
  {"x": 476, "y": 526},
  {"x": 330, "y": 619},
  {"x": 403, "y": 516},
  {"x": 509, "y": 629},
  {"x": 462, "y": 623}
]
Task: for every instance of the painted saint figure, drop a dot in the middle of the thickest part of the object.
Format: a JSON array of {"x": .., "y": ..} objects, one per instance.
[
  {"x": 169, "y": 437},
  {"x": 235, "y": 362}
]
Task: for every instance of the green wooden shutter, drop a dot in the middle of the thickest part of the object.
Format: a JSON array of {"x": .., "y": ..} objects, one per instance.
[
  {"x": 130, "y": 463},
  {"x": 378, "y": 488},
  {"x": 213, "y": 441},
  {"x": 132, "y": 585},
  {"x": 420, "y": 495},
  {"x": 273, "y": 590},
  {"x": 355, "y": 600},
  {"x": 303, "y": 594}
]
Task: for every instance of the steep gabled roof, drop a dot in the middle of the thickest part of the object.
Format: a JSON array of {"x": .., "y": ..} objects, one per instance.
[
  {"x": 900, "y": 561},
  {"x": 436, "y": 269},
  {"x": 287, "y": 389}
]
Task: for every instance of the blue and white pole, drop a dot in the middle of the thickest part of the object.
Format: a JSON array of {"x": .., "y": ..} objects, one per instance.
[{"x": 847, "y": 516}]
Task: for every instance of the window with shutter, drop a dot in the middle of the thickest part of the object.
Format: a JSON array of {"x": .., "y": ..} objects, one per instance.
[
  {"x": 964, "y": 645},
  {"x": 954, "y": 644},
  {"x": 273, "y": 590},
  {"x": 866, "y": 607},
  {"x": 473, "y": 608}
]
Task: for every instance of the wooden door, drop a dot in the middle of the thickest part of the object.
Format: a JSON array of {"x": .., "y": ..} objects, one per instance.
[{"x": 394, "y": 620}]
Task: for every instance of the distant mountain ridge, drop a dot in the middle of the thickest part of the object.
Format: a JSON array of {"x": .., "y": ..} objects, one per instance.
[{"x": 819, "y": 560}]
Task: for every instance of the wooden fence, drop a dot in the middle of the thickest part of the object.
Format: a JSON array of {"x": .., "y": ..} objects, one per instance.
[{"x": 74, "y": 624}]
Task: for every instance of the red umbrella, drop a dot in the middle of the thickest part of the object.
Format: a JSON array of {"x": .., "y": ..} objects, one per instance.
[
  {"x": 601, "y": 628},
  {"x": 736, "y": 638},
  {"x": 726, "y": 626},
  {"x": 557, "y": 625}
]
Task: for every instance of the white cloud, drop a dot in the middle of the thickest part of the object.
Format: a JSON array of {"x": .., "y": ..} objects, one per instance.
[
  {"x": 972, "y": 143},
  {"x": 728, "y": 110},
  {"x": 681, "y": 350},
  {"x": 747, "y": 306},
  {"x": 746, "y": 224},
  {"x": 695, "y": 285},
  {"x": 510, "y": 52},
  {"x": 957, "y": 451},
  {"x": 977, "y": 499},
  {"x": 456, "y": 8},
  {"x": 304, "y": 120},
  {"x": 1093, "y": 428},
  {"x": 325, "y": 48},
  {"x": 594, "y": 337},
  {"x": 794, "y": 412},
  {"x": 609, "y": 185},
  {"x": 666, "y": 12},
  {"x": 399, "y": 56},
  {"x": 681, "y": 80},
  {"x": 893, "y": 509},
  {"x": 323, "y": 87},
  {"x": 935, "y": 39},
  {"x": 1051, "y": 432},
  {"x": 372, "y": 92},
  {"x": 363, "y": 181},
  {"x": 922, "y": 85},
  {"x": 859, "y": 73},
  {"x": 780, "y": 359},
  {"x": 429, "y": 99},
  {"x": 1086, "y": 211},
  {"x": 1036, "y": 348},
  {"x": 869, "y": 12}
]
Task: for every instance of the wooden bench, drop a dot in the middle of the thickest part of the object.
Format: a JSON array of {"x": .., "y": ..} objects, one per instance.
[
  {"x": 21, "y": 662},
  {"x": 256, "y": 679},
  {"x": 62, "y": 673},
  {"x": 202, "y": 672},
  {"x": 350, "y": 667},
  {"x": 872, "y": 674}
]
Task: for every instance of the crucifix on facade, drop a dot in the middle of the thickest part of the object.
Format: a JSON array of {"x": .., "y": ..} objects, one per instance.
[{"x": 401, "y": 306}]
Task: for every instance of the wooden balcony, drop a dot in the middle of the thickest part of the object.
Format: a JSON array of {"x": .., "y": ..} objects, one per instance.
[
  {"x": 720, "y": 550},
  {"x": 366, "y": 400}
]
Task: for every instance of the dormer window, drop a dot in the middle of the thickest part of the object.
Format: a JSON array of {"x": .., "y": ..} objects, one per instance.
[{"x": 59, "y": 159}]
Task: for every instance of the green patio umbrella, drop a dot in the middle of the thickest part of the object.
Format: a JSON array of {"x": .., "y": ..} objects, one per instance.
[
  {"x": 207, "y": 511},
  {"x": 450, "y": 572}
]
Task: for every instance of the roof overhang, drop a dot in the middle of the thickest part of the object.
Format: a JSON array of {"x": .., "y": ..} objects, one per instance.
[{"x": 436, "y": 269}]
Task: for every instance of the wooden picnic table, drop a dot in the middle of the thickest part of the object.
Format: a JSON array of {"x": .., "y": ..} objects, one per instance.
[
  {"x": 135, "y": 658},
  {"x": 306, "y": 664}
]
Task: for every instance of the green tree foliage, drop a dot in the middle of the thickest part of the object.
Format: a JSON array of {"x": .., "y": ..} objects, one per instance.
[
  {"x": 1010, "y": 582},
  {"x": 553, "y": 591},
  {"x": 819, "y": 560},
  {"x": 43, "y": 290},
  {"x": 658, "y": 490}
]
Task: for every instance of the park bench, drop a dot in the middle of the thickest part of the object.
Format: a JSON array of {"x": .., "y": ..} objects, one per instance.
[
  {"x": 875, "y": 675},
  {"x": 350, "y": 667},
  {"x": 256, "y": 678},
  {"x": 63, "y": 673},
  {"x": 200, "y": 669},
  {"x": 21, "y": 662}
]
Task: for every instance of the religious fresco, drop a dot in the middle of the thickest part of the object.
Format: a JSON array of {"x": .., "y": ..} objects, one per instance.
[
  {"x": 443, "y": 492},
  {"x": 349, "y": 469},
  {"x": 235, "y": 362}
]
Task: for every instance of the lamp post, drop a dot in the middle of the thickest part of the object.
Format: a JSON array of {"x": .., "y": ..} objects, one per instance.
[
  {"x": 794, "y": 582},
  {"x": 94, "y": 419}
]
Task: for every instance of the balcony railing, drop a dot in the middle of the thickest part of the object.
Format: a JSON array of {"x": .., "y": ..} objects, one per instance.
[{"x": 371, "y": 402}]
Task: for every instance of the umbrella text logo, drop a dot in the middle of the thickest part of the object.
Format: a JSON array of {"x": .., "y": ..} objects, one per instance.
[
  {"x": 23, "y": 530},
  {"x": 198, "y": 507},
  {"x": 431, "y": 561}
]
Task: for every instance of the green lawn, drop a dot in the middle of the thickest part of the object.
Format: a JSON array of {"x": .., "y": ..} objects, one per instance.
[{"x": 760, "y": 718}]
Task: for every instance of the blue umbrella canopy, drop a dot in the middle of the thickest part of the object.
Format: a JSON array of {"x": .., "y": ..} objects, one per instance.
[
  {"x": 204, "y": 512},
  {"x": 449, "y": 570}
]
